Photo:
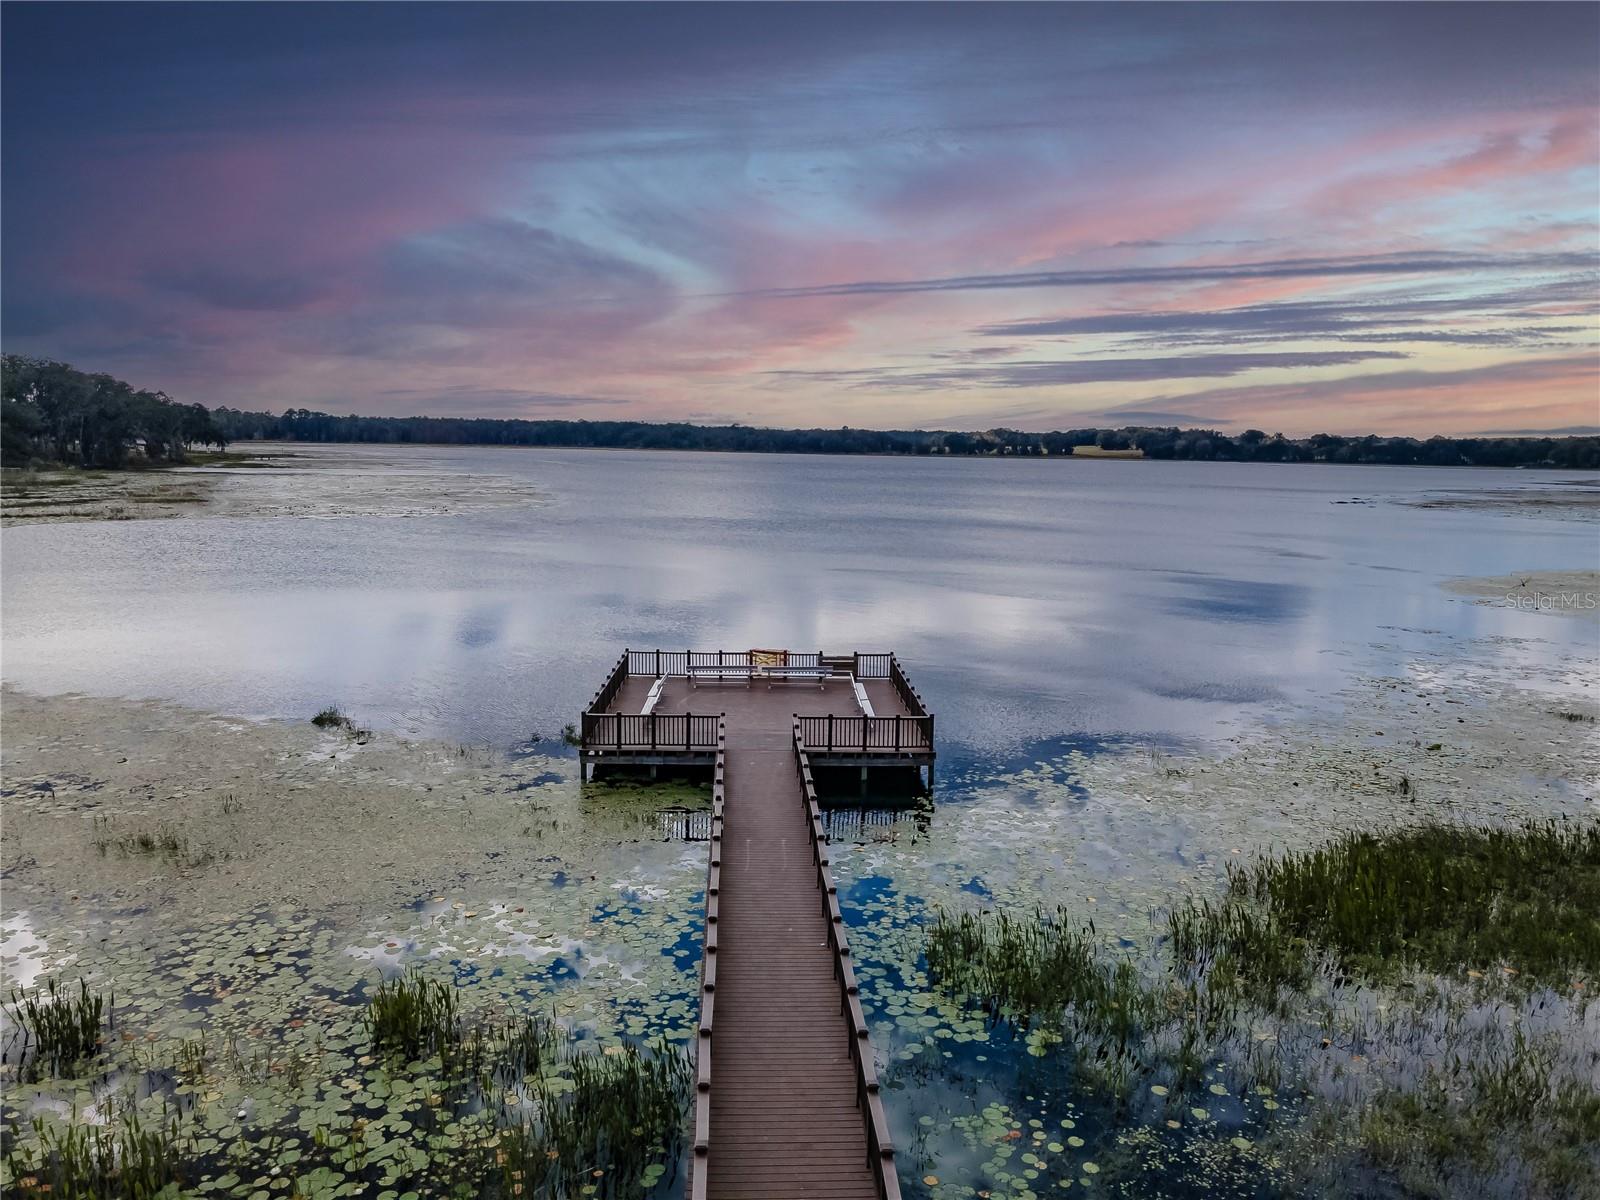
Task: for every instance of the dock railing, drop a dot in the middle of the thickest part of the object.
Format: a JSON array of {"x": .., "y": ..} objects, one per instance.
[
  {"x": 700, "y": 1170},
  {"x": 609, "y": 689},
  {"x": 650, "y": 731},
  {"x": 909, "y": 695},
  {"x": 839, "y": 733},
  {"x": 834, "y": 734},
  {"x": 880, "y": 1146},
  {"x": 660, "y": 663}
]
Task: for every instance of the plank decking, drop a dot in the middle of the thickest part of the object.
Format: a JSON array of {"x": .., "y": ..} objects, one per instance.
[
  {"x": 787, "y": 1101},
  {"x": 784, "y": 1118}
]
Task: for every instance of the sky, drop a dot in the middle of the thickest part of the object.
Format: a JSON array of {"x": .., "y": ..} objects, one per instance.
[{"x": 1298, "y": 218}]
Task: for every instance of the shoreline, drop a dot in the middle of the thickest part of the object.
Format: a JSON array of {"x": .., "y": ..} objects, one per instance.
[{"x": 307, "y": 480}]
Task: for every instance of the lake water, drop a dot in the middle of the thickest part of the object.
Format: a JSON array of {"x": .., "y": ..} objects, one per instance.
[
  {"x": 1031, "y": 600},
  {"x": 1046, "y": 610}
]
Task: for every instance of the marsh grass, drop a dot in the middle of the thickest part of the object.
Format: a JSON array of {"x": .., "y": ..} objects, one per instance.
[
  {"x": 516, "y": 1108},
  {"x": 609, "y": 1131},
  {"x": 59, "y": 1031},
  {"x": 1445, "y": 898},
  {"x": 413, "y": 1016},
  {"x": 126, "y": 1161},
  {"x": 1020, "y": 968},
  {"x": 1302, "y": 981},
  {"x": 332, "y": 718},
  {"x": 502, "y": 1107},
  {"x": 145, "y": 843}
]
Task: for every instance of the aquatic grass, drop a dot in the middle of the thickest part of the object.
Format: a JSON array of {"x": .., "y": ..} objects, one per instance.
[
  {"x": 413, "y": 1016},
  {"x": 332, "y": 718},
  {"x": 1441, "y": 897},
  {"x": 610, "y": 1133},
  {"x": 1361, "y": 986},
  {"x": 165, "y": 842},
  {"x": 1510, "y": 1112},
  {"x": 58, "y": 1031},
  {"x": 1054, "y": 982},
  {"x": 85, "y": 1161},
  {"x": 552, "y": 1120}
]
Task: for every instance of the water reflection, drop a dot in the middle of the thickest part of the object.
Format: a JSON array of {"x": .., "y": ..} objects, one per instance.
[{"x": 1029, "y": 597}]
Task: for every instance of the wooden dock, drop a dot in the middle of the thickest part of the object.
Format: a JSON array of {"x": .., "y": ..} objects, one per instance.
[{"x": 787, "y": 1101}]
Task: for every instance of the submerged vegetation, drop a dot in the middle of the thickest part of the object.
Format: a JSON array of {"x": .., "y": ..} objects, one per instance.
[
  {"x": 58, "y": 1031},
  {"x": 1378, "y": 986},
  {"x": 449, "y": 1106},
  {"x": 126, "y": 1161}
]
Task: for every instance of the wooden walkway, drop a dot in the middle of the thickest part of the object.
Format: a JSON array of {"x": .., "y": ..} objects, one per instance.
[
  {"x": 784, "y": 1114},
  {"x": 787, "y": 1102}
]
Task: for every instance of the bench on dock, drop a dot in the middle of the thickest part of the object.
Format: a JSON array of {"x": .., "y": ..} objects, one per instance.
[
  {"x": 816, "y": 675},
  {"x": 719, "y": 674},
  {"x": 653, "y": 698},
  {"x": 861, "y": 698}
]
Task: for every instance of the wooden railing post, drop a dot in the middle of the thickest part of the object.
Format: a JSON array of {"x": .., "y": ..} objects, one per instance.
[{"x": 830, "y": 732}]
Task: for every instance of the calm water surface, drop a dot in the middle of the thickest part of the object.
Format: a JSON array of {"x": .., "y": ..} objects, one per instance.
[{"x": 1031, "y": 599}]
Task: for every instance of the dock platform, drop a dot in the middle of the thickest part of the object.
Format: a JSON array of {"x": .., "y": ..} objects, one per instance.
[{"x": 787, "y": 1102}]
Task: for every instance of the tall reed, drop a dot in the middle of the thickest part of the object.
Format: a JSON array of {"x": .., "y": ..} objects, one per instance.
[{"x": 58, "y": 1031}]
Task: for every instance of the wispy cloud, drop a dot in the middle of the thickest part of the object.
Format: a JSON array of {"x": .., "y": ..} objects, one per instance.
[
  {"x": 1433, "y": 263},
  {"x": 1387, "y": 317},
  {"x": 471, "y": 400},
  {"x": 1034, "y": 373}
]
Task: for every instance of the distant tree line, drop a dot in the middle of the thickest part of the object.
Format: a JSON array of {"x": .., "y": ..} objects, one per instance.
[
  {"x": 1253, "y": 445},
  {"x": 52, "y": 413}
]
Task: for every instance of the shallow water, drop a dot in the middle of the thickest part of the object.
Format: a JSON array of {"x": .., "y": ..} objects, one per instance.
[{"x": 1030, "y": 599}]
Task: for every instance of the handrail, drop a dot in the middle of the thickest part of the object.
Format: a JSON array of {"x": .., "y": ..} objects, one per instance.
[
  {"x": 832, "y": 734},
  {"x": 872, "y": 666},
  {"x": 700, "y": 1171},
  {"x": 609, "y": 689},
  {"x": 649, "y": 731},
  {"x": 880, "y": 1146},
  {"x": 660, "y": 663},
  {"x": 908, "y": 694}
]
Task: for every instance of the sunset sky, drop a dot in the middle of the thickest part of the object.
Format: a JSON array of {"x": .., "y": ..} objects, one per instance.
[{"x": 1300, "y": 218}]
